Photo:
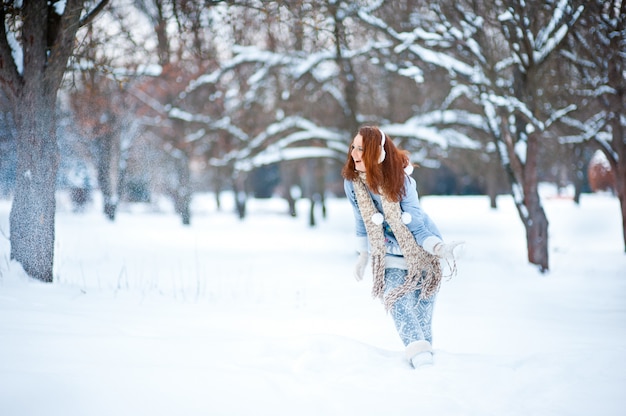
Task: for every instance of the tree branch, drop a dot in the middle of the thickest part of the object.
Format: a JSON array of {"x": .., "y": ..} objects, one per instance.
[{"x": 92, "y": 14}]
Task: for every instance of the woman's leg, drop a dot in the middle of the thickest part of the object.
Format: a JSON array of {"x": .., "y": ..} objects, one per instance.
[
  {"x": 425, "y": 309},
  {"x": 412, "y": 317},
  {"x": 413, "y": 320}
]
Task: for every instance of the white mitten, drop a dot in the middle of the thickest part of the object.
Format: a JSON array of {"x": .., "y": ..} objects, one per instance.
[
  {"x": 359, "y": 268},
  {"x": 446, "y": 250}
]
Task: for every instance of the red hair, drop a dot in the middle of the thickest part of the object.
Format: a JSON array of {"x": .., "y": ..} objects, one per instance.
[{"x": 386, "y": 177}]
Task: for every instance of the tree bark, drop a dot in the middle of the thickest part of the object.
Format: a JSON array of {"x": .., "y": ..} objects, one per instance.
[
  {"x": 34, "y": 205},
  {"x": 579, "y": 171},
  {"x": 536, "y": 222},
  {"x": 621, "y": 193}
]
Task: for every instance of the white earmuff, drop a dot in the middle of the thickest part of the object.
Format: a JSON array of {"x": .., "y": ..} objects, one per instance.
[{"x": 382, "y": 147}]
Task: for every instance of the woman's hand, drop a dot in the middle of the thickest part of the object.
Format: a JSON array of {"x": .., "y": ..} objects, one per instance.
[
  {"x": 359, "y": 268},
  {"x": 446, "y": 250}
]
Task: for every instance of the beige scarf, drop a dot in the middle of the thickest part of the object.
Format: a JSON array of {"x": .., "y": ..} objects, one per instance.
[{"x": 424, "y": 269}]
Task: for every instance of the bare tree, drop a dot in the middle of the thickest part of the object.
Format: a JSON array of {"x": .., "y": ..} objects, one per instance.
[
  {"x": 184, "y": 49},
  {"x": 37, "y": 38},
  {"x": 597, "y": 55},
  {"x": 496, "y": 55},
  {"x": 98, "y": 110}
]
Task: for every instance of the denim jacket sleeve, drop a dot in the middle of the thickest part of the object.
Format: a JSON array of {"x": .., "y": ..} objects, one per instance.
[
  {"x": 422, "y": 226},
  {"x": 361, "y": 232}
]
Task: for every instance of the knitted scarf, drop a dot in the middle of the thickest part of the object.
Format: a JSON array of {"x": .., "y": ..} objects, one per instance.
[{"x": 424, "y": 269}]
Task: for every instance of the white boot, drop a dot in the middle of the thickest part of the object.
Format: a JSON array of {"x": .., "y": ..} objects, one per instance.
[{"x": 419, "y": 353}]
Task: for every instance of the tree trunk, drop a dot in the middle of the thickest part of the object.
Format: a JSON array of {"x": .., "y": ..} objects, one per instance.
[
  {"x": 289, "y": 176},
  {"x": 346, "y": 72},
  {"x": 618, "y": 165},
  {"x": 34, "y": 205},
  {"x": 218, "y": 185},
  {"x": 108, "y": 172},
  {"x": 241, "y": 196},
  {"x": 182, "y": 195},
  {"x": 621, "y": 194},
  {"x": 536, "y": 222},
  {"x": 579, "y": 171},
  {"x": 524, "y": 187},
  {"x": 537, "y": 233},
  {"x": 320, "y": 176},
  {"x": 313, "y": 200},
  {"x": 492, "y": 184}
]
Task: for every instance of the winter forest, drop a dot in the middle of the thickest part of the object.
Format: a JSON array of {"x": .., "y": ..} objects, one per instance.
[
  {"x": 158, "y": 97},
  {"x": 175, "y": 238}
]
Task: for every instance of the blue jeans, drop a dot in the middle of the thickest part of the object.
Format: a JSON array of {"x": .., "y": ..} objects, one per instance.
[{"x": 413, "y": 317}]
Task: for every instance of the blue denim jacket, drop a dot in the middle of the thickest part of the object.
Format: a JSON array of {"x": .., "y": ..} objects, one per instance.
[{"x": 421, "y": 226}]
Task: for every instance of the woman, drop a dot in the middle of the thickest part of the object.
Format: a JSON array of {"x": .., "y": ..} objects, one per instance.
[{"x": 405, "y": 244}]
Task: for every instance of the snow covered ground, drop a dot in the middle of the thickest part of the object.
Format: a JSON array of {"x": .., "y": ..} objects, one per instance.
[{"x": 263, "y": 317}]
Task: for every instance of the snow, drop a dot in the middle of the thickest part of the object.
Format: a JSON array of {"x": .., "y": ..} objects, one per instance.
[
  {"x": 59, "y": 7},
  {"x": 263, "y": 316},
  {"x": 16, "y": 51},
  {"x": 599, "y": 158},
  {"x": 279, "y": 150}
]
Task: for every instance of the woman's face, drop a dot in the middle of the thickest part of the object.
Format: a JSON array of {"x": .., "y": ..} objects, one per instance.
[{"x": 357, "y": 153}]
